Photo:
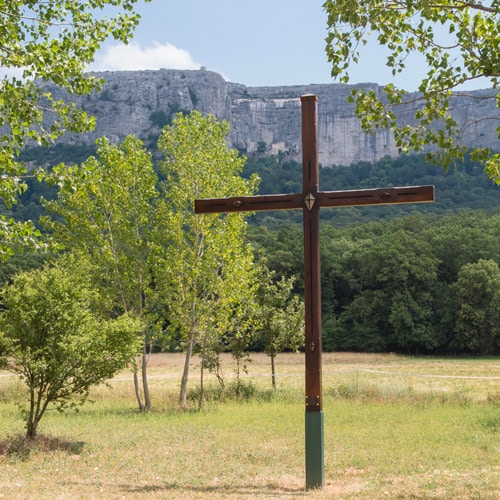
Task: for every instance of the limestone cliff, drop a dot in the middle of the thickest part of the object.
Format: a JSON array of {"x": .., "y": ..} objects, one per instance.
[{"x": 140, "y": 102}]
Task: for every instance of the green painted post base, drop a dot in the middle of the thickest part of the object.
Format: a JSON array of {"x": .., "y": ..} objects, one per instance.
[{"x": 315, "y": 450}]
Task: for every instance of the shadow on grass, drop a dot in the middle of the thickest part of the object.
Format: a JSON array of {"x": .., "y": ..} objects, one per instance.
[
  {"x": 20, "y": 447},
  {"x": 218, "y": 491}
]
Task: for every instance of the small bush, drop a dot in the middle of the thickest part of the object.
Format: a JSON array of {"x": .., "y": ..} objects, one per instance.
[
  {"x": 241, "y": 390},
  {"x": 211, "y": 394},
  {"x": 237, "y": 390}
]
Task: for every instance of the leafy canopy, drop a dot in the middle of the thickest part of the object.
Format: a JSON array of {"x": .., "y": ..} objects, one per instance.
[
  {"x": 477, "y": 295},
  {"x": 208, "y": 268},
  {"x": 41, "y": 42},
  {"x": 106, "y": 210},
  {"x": 210, "y": 262},
  {"x": 279, "y": 314},
  {"x": 56, "y": 342},
  {"x": 460, "y": 42}
]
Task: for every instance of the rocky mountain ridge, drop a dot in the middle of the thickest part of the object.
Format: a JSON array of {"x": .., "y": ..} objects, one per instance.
[{"x": 264, "y": 119}]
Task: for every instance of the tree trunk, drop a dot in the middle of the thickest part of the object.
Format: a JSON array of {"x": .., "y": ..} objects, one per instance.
[
  {"x": 32, "y": 425},
  {"x": 32, "y": 421},
  {"x": 238, "y": 368},
  {"x": 185, "y": 373},
  {"x": 202, "y": 387},
  {"x": 31, "y": 428},
  {"x": 36, "y": 412},
  {"x": 273, "y": 371},
  {"x": 218, "y": 372},
  {"x": 137, "y": 388},
  {"x": 145, "y": 386}
]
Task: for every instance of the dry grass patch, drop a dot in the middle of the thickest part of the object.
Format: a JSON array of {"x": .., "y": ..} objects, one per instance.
[{"x": 392, "y": 430}]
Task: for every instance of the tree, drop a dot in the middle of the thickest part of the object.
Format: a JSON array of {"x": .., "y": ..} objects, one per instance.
[
  {"x": 459, "y": 42},
  {"x": 54, "y": 340},
  {"x": 105, "y": 210},
  {"x": 279, "y": 316},
  {"x": 207, "y": 266},
  {"x": 40, "y": 42},
  {"x": 477, "y": 294},
  {"x": 392, "y": 278},
  {"x": 365, "y": 323},
  {"x": 340, "y": 283},
  {"x": 22, "y": 261}
]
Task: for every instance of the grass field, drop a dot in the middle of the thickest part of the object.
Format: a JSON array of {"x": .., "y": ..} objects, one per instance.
[{"x": 395, "y": 427}]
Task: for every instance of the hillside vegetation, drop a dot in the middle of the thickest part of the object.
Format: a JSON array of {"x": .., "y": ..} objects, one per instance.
[
  {"x": 466, "y": 187},
  {"x": 414, "y": 279}
]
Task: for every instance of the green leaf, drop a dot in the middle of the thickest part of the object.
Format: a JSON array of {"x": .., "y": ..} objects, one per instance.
[{"x": 470, "y": 51}]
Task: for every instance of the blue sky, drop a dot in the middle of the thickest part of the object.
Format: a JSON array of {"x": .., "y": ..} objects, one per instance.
[{"x": 257, "y": 43}]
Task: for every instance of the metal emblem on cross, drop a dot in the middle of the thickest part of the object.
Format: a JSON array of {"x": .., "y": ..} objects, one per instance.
[{"x": 310, "y": 201}]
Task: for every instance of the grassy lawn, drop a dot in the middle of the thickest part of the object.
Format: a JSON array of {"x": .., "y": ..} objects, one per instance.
[{"x": 395, "y": 427}]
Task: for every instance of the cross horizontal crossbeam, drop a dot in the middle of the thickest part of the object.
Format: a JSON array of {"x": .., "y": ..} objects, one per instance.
[{"x": 386, "y": 196}]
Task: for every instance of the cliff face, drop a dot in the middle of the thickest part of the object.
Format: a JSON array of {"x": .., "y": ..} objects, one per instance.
[{"x": 140, "y": 102}]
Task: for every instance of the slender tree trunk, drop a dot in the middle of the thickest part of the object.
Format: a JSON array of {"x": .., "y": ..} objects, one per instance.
[
  {"x": 32, "y": 425},
  {"x": 145, "y": 385},
  {"x": 238, "y": 369},
  {"x": 31, "y": 428},
  {"x": 185, "y": 373},
  {"x": 31, "y": 421},
  {"x": 137, "y": 387},
  {"x": 202, "y": 387},
  {"x": 273, "y": 371},
  {"x": 218, "y": 372},
  {"x": 189, "y": 353},
  {"x": 31, "y": 415},
  {"x": 144, "y": 373},
  {"x": 38, "y": 406}
]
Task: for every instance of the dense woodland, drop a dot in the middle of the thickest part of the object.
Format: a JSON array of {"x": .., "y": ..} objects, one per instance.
[
  {"x": 417, "y": 279},
  {"x": 414, "y": 284},
  {"x": 465, "y": 187}
]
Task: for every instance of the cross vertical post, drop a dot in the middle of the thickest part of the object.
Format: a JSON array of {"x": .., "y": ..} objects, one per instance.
[{"x": 314, "y": 420}]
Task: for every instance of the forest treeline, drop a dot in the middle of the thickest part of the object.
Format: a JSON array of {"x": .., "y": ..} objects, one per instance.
[
  {"x": 418, "y": 279},
  {"x": 419, "y": 284},
  {"x": 464, "y": 187}
]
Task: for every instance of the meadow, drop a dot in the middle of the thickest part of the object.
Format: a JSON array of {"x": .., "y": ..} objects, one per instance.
[{"x": 395, "y": 427}]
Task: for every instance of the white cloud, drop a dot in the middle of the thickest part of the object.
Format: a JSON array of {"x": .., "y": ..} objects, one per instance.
[{"x": 134, "y": 57}]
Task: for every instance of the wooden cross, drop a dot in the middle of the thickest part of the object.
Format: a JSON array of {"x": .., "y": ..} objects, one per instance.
[{"x": 310, "y": 201}]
